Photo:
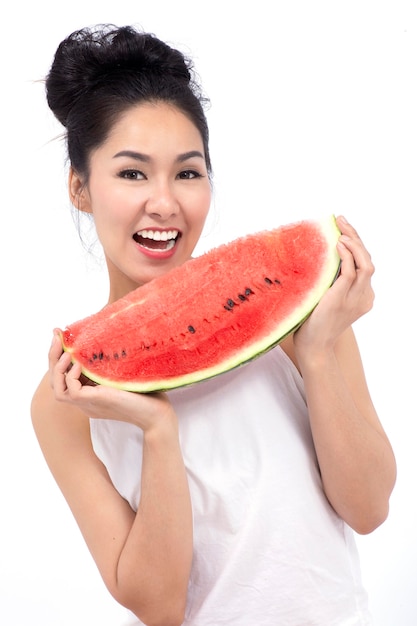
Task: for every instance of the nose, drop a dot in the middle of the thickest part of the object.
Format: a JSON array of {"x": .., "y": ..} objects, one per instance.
[{"x": 162, "y": 201}]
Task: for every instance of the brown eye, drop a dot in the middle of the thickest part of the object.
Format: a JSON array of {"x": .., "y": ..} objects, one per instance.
[
  {"x": 189, "y": 174},
  {"x": 132, "y": 174}
]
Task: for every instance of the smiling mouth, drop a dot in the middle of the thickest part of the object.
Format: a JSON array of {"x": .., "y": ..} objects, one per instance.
[{"x": 157, "y": 239}]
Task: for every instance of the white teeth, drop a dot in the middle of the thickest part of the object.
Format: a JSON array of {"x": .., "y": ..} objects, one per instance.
[{"x": 158, "y": 235}]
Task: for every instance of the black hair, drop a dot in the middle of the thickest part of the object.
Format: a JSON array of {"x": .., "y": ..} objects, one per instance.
[{"x": 100, "y": 72}]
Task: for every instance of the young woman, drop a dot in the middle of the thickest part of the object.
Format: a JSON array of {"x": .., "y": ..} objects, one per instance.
[{"x": 231, "y": 501}]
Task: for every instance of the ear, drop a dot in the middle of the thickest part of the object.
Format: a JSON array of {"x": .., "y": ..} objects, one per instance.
[{"x": 78, "y": 192}]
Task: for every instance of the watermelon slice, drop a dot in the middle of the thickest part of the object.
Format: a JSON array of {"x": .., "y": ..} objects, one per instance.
[{"x": 212, "y": 314}]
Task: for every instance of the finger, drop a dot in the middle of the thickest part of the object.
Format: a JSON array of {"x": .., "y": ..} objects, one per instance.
[
  {"x": 361, "y": 257},
  {"x": 346, "y": 227},
  {"x": 348, "y": 265},
  {"x": 55, "y": 352},
  {"x": 60, "y": 370},
  {"x": 72, "y": 377},
  {"x": 56, "y": 349},
  {"x": 356, "y": 272}
]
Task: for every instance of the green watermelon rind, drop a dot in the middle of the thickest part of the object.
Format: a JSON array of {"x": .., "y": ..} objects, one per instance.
[{"x": 289, "y": 325}]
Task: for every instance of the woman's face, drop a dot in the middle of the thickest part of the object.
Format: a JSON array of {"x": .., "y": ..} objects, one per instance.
[{"x": 149, "y": 193}]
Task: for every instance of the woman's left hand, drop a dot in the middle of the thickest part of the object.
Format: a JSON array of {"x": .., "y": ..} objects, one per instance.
[{"x": 350, "y": 297}]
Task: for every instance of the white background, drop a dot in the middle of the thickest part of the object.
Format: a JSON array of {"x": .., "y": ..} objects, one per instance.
[{"x": 314, "y": 111}]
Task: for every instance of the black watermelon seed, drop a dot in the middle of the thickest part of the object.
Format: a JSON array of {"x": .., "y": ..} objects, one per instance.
[
  {"x": 191, "y": 329},
  {"x": 241, "y": 297},
  {"x": 278, "y": 282},
  {"x": 101, "y": 356},
  {"x": 268, "y": 281},
  {"x": 248, "y": 291},
  {"x": 228, "y": 308},
  {"x": 230, "y": 303}
]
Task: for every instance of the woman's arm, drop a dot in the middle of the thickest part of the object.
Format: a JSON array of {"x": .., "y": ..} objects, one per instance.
[
  {"x": 355, "y": 457},
  {"x": 144, "y": 558}
]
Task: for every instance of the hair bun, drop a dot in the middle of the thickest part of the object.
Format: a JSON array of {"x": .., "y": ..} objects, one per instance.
[{"x": 88, "y": 56}]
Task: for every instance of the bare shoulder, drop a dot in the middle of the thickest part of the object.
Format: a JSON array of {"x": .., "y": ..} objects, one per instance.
[
  {"x": 63, "y": 433},
  {"x": 56, "y": 422}
]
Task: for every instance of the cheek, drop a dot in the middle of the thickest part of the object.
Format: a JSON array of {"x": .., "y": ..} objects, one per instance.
[
  {"x": 195, "y": 208},
  {"x": 109, "y": 220},
  {"x": 113, "y": 208},
  {"x": 204, "y": 204}
]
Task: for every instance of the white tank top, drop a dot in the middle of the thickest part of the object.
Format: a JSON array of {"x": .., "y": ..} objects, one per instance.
[{"x": 269, "y": 550}]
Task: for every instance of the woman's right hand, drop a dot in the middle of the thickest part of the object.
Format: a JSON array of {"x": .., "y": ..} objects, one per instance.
[{"x": 99, "y": 401}]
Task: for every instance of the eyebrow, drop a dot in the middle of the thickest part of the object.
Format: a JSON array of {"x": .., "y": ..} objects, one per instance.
[{"x": 144, "y": 158}]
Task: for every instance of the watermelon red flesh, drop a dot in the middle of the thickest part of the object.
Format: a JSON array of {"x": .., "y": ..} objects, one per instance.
[{"x": 212, "y": 314}]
